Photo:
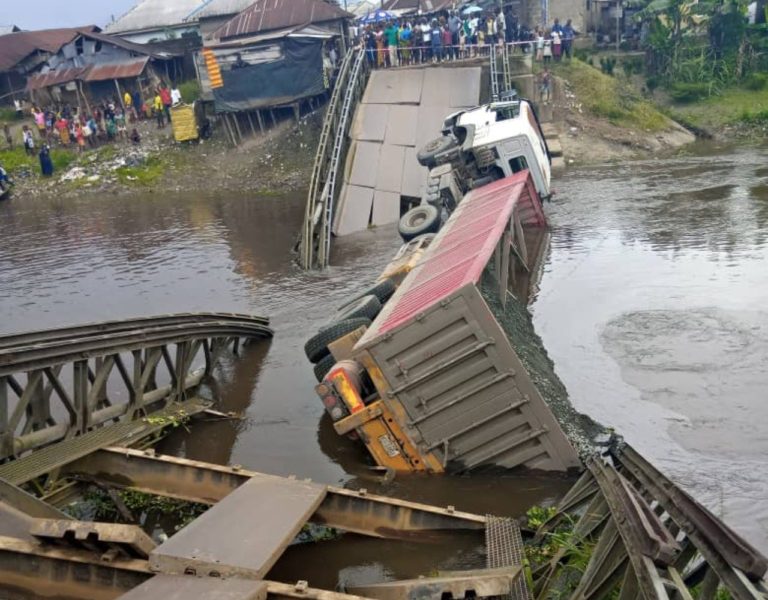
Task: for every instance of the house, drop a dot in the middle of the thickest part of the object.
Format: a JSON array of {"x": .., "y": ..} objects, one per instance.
[
  {"x": 421, "y": 7},
  {"x": 94, "y": 67},
  {"x": 212, "y": 14},
  {"x": 23, "y": 53},
  {"x": 156, "y": 20},
  {"x": 271, "y": 55}
]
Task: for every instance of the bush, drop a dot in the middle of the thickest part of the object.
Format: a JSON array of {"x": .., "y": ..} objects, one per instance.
[
  {"x": 688, "y": 92},
  {"x": 756, "y": 81},
  {"x": 190, "y": 91}
]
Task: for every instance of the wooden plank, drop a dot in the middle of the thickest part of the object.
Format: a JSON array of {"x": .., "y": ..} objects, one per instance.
[{"x": 244, "y": 534}]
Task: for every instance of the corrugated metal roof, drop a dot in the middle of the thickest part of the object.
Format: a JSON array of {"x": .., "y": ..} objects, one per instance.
[
  {"x": 142, "y": 49},
  {"x": 460, "y": 251},
  {"x": 425, "y": 6},
  {"x": 268, "y": 15},
  {"x": 154, "y": 14},
  {"x": 57, "y": 77},
  {"x": 308, "y": 31},
  {"x": 126, "y": 68},
  {"x": 6, "y": 29},
  {"x": 14, "y": 47},
  {"x": 218, "y": 8}
]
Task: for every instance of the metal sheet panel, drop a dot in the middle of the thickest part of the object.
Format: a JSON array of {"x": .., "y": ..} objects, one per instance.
[
  {"x": 244, "y": 534},
  {"x": 401, "y": 125},
  {"x": 386, "y": 208},
  {"x": 354, "y": 210},
  {"x": 184, "y": 587},
  {"x": 382, "y": 88},
  {"x": 464, "y": 89},
  {"x": 364, "y": 157},
  {"x": 430, "y": 122},
  {"x": 389, "y": 174},
  {"x": 467, "y": 396},
  {"x": 409, "y": 86}
]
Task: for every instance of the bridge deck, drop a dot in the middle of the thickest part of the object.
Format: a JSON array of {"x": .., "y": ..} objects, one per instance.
[{"x": 401, "y": 110}]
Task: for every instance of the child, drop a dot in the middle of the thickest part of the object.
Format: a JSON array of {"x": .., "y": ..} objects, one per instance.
[
  {"x": 80, "y": 137},
  {"x": 135, "y": 137},
  {"x": 29, "y": 142},
  {"x": 545, "y": 85}
]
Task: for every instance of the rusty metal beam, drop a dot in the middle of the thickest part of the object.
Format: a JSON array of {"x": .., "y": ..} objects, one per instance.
[
  {"x": 351, "y": 510},
  {"x": 30, "y": 570},
  {"x": 27, "y": 503}
]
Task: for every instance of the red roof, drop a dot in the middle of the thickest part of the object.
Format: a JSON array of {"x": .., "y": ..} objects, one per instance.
[
  {"x": 268, "y": 15},
  {"x": 15, "y": 47},
  {"x": 462, "y": 249},
  {"x": 39, "y": 81}
]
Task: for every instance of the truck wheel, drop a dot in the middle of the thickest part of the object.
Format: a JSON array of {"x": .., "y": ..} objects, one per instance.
[
  {"x": 383, "y": 290},
  {"x": 426, "y": 156},
  {"x": 367, "y": 306},
  {"x": 419, "y": 220},
  {"x": 323, "y": 366},
  {"x": 317, "y": 346}
]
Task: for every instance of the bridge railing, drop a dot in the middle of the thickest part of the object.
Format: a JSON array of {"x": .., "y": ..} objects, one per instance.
[
  {"x": 62, "y": 383},
  {"x": 331, "y": 149}
]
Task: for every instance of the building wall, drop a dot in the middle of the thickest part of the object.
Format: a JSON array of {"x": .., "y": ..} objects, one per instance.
[
  {"x": 143, "y": 37},
  {"x": 576, "y": 10}
]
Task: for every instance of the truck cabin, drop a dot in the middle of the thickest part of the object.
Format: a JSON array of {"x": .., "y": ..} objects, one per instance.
[
  {"x": 501, "y": 139},
  {"x": 433, "y": 384}
]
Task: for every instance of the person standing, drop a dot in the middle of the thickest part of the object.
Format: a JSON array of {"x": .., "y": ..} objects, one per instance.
[
  {"x": 556, "y": 46},
  {"x": 381, "y": 59},
  {"x": 426, "y": 36},
  {"x": 159, "y": 110},
  {"x": 46, "y": 164},
  {"x": 80, "y": 137},
  {"x": 137, "y": 104},
  {"x": 539, "y": 45},
  {"x": 29, "y": 141},
  {"x": 369, "y": 38},
  {"x": 165, "y": 96},
  {"x": 547, "y": 53},
  {"x": 39, "y": 117},
  {"x": 176, "y": 93},
  {"x": 545, "y": 85},
  {"x": 392, "y": 34},
  {"x": 568, "y": 35},
  {"x": 501, "y": 27},
  {"x": 454, "y": 24},
  {"x": 437, "y": 41}
]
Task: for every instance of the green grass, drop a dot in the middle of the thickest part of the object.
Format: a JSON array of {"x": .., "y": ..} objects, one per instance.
[
  {"x": 146, "y": 174},
  {"x": 610, "y": 98},
  {"x": 732, "y": 107},
  {"x": 7, "y": 115},
  {"x": 16, "y": 160}
]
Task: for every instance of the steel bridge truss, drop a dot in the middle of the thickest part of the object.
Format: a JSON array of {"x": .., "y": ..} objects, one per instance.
[
  {"x": 645, "y": 538},
  {"x": 59, "y": 384}
]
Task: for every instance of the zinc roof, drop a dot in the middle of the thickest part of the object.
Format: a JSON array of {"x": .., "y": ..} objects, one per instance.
[
  {"x": 153, "y": 14},
  {"x": 267, "y": 15},
  {"x": 14, "y": 47},
  {"x": 218, "y": 8}
]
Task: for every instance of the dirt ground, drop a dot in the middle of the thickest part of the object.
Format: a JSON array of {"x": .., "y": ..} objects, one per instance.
[{"x": 587, "y": 139}]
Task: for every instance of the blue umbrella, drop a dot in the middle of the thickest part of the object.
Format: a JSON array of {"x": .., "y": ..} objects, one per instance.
[{"x": 377, "y": 16}]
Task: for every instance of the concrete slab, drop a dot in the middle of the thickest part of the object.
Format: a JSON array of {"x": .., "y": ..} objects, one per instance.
[
  {"x": 370, "y": 122},
  {"x": 409, "y": 86},
  {"x": 401, "y": 127},
  {"x": 244, "y": 534},
  {"x": 389, "y": 173},
  {"x": 382, "y": 88},
  {"x": 414, "y": 175},
  {"x": 558, "y": 165},
  {"x": 364, "y": 157},
  {"x": 430, "y": 122},
  {"x": 386, "y": 208},
  {"x": 555, "y": 147},
  {"x": 184, "y": 587},
  {"x": 464, "y": 87},
  {"x": 354, "y": 210}
]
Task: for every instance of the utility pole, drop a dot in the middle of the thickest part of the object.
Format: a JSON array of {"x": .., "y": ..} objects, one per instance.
[{"x": 618, "y": 21}]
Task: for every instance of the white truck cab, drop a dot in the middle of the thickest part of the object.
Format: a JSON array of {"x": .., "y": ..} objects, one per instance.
[{"x": 491, "y": 142}]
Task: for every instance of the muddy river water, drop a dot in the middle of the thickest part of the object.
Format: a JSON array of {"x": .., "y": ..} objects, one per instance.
[{"x": 652, "y": 304}]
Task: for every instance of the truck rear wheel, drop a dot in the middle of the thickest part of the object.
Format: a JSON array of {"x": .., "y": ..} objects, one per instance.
[
  {"x": 383, "y": 290},
  {"x": 316, "y": 347},
  {"x": 426, "y": 156},
  {"x": 367, "y": 306},
  {"x": 419, "y": 220},
  {"x": 324, "y": 365}
]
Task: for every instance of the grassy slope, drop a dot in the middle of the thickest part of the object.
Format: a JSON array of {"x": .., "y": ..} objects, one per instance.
[
  {"x": 732, "y": 107},
  {"x": 610, "y": 97}
]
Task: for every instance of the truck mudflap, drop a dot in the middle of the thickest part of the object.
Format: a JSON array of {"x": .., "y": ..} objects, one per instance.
[{"x": 441, "y": 360}]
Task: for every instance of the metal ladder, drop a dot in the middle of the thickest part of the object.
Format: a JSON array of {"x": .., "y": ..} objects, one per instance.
[
  {"x": 505, "y": 66},
  {"x": 321, "y": 158},
  {"x": 494, "y": 75},
  {"x": 351, "y": 96}
]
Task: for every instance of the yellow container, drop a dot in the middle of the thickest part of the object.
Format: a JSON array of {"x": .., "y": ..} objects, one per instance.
[{"x": 184, "y": 122}]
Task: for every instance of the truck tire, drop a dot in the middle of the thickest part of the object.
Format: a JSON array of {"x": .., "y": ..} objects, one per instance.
[
  {"x": 383, "y": 290},
  {"x": 316, "y": 347},
  {"x": 367, "y": 306},
  {"x": 426, "y": 155},
  {"x": 421, "y": 219},
  {"x": 323, "y": 366}
]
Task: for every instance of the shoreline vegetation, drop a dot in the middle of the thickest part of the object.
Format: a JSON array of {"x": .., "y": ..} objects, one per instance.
[{"x": 602, "y": 116}]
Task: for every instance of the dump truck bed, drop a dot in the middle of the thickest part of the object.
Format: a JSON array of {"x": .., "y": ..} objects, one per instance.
[{"x": 442, "y": 362}]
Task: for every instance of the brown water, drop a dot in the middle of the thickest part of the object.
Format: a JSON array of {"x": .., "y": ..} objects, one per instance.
[{"x": 652, "y": 306}]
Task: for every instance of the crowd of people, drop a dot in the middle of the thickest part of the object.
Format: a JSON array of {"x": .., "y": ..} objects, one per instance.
[
  {"x": 107, "y": 121},
  {"x": 450, "y": 36}
]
